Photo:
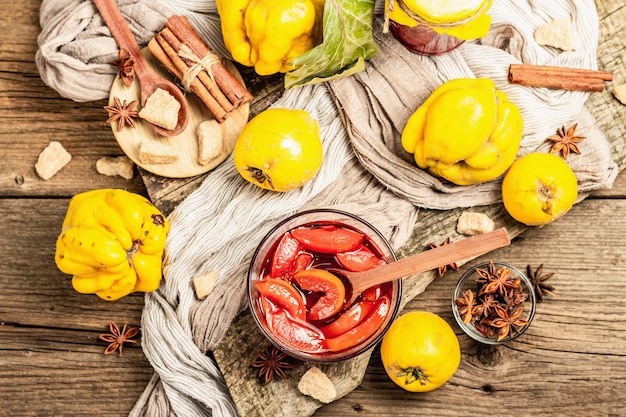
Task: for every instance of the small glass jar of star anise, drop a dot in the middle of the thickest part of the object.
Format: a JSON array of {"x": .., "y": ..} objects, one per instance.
[{"x": 494, "y": 302}]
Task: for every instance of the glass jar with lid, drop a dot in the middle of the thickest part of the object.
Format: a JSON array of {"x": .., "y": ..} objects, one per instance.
[{"x": 433, "y": 27}]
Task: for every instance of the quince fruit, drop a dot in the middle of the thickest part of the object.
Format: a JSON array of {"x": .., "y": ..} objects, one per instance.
[
  {"x": 539, "y": 188},
  {"x": 420, "y": 351},
  {"x": 269, "y": 34},
  {"x": 279, "y": 149},
  {"x": 466, "y": 132}
]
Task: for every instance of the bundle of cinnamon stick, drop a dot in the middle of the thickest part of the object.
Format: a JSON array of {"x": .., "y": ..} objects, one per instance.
[
  {"x": 573, "y": 79},
  {"x": 201, "y": 71}
]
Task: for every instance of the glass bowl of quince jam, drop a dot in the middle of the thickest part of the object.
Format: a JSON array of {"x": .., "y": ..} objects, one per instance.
[{"x": 301, "y": 307}]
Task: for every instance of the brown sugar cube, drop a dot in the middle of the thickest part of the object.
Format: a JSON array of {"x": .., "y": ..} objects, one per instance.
[
  {"x": 154, "y": 152},
  {"x": 472, "y": 224},
  {"x": 557, "y": 33},
  {"x": 204, "y": 284},
  {"x": 51, "y": 160},
  {"x": 210, "y": 141},
  {"x": 316, "y": 384},
  {"x": 112, "y": 166},
  {"x": 161, "y": 109},
  {"x": 619, "y": 91}
]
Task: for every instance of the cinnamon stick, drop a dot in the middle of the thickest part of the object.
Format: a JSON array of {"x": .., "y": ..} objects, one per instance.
[
  {"x": 226, "y": 81},
  {"x": 169, "y": 58},
  {"x": 573, "y": 79},
  {"x": 204, "y": 78}
]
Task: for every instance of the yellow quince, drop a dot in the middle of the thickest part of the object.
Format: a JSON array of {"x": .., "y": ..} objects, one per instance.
[
  {"x": 112, "y": 242},
  {"x": 279, "y": 149},
  {"x": 269, "y": 34},
  {"x": 466, "y": 132}
]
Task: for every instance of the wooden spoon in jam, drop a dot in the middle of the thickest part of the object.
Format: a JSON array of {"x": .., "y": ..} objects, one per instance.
[{"x": 423, "y": 261}]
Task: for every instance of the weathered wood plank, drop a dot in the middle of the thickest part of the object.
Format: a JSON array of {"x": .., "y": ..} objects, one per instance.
[{"x": 63, "y": 372}]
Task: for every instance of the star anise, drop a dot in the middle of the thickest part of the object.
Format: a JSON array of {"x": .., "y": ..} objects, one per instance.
[
  {"x": 123, "y": 113},
  {"x": 485, "y": 275},
  {"x": 500, "y": 282},
  {"x": 272, "y": 362},
  {"x": 125, "y": 66},
  {"x": 117, "y": 338},
  {"x": 538, "y": 278},
  {"x": 466, "y": 304},
  {"x": 444, "y": 268},
  {"x": 508, "y": 321},
  {"x": 486, "y": 305},
  {"x": 515, "y": 298},
  {"x": 565, "y": 141},
  {"x": 485, "y": 328}
]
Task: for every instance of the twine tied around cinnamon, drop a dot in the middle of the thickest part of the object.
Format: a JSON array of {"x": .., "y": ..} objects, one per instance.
[{"x": 200, "y": 64}]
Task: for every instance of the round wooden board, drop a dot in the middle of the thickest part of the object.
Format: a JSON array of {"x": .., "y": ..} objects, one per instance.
[{"x": 186, "y": 143}]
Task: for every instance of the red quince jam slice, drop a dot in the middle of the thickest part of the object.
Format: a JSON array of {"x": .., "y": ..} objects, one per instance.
[
  {"x": 348, "y": 319},
  {"x": 296, "y": 334},
  {"x": 372, "y": 293},
  {"x": 328, "y": 239},
  {"x": 330, "y": 286},
  {"x": 360, "y": 259},
  {"x": 284, "y": 256},
  {"x": 363, "y": 330},
  {"x": 284, "y": 295},
  {"x": 302, "y": 262}
]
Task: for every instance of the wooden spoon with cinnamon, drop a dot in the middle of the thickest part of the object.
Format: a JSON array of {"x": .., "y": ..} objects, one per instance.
[{"x": 149, "y": 81}]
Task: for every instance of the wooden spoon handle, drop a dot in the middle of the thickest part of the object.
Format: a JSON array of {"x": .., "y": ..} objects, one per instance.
[
  {"x": 433, "y": 258},
  {"x": 120, "y": 31}
]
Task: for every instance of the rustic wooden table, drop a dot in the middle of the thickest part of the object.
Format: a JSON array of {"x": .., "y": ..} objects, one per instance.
[{"x": 572, "y": 361}]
